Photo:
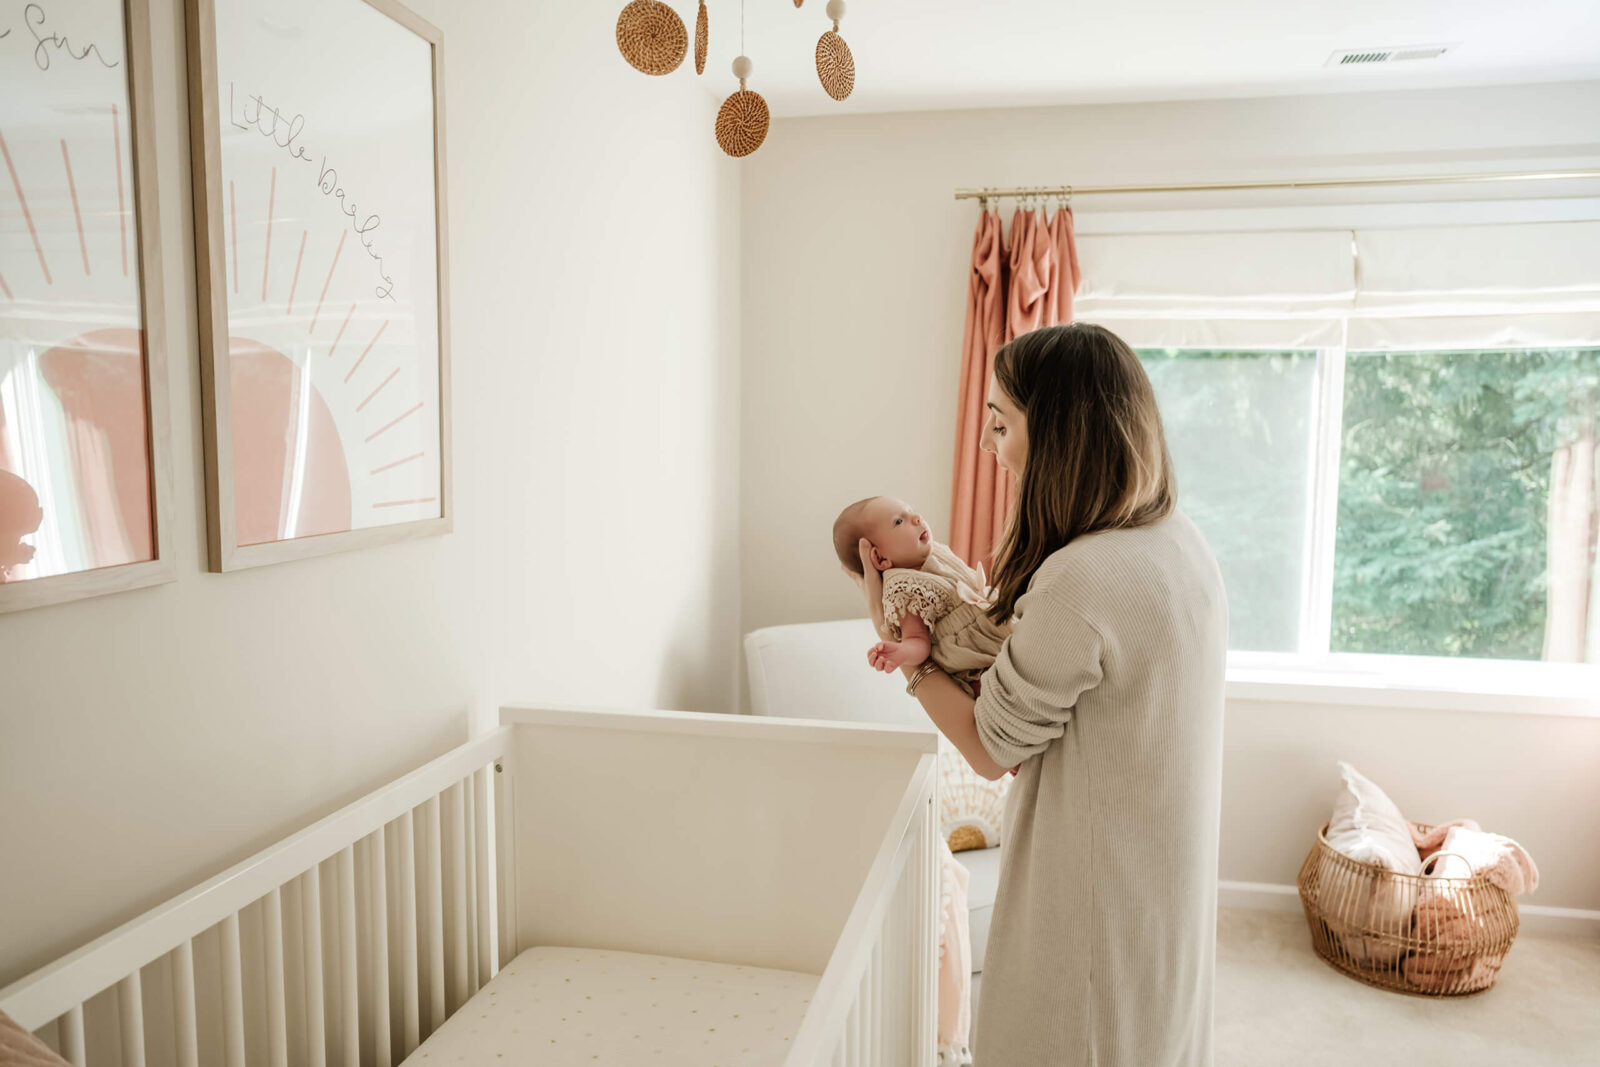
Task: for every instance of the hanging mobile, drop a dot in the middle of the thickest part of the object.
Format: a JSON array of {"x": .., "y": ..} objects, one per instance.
[
  {"x": 702, "y": 36},
  {"x": 836, "y": 67},
  {"x": 652, "y": 37},
  {"x": 743, "y": 119}
]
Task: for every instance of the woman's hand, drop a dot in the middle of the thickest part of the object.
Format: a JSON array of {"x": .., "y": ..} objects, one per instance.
[{"x": 871, "y": 583}]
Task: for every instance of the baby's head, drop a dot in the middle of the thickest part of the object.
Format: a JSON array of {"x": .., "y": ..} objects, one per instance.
[{"x": 899, "y": 536}]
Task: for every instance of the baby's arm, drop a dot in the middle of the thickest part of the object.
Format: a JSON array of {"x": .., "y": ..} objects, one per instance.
[{"x": 910, "y": 650}]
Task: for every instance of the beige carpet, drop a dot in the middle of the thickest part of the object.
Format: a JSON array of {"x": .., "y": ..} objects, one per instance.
[{"x": 1278, "y": 1005}]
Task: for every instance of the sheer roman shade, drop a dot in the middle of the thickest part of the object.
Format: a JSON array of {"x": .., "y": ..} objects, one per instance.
[
  {"x": 1219, "y": 290},
  {"x": 1488, "y": 286},
  {"x": 1533, "y": 285}
]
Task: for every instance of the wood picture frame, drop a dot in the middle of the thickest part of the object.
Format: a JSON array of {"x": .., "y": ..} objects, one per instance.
[
  {"x": 234, "y": 512},
  {"x": 57, "y": 42}
]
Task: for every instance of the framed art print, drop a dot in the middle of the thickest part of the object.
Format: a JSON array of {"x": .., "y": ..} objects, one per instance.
[
  {"x": 318, "y": 162},
  {"x": 84, "y": 467}
]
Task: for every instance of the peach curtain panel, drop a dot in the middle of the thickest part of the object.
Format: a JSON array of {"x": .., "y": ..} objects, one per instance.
[{"x": 1014, "y": 286}]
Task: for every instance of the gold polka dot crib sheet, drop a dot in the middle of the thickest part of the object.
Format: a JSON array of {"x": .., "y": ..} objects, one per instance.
[{"x": 565, "y": 1007}]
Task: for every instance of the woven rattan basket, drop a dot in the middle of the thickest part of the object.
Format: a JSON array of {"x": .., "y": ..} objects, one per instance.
[{"x": 1428, "y": 935}]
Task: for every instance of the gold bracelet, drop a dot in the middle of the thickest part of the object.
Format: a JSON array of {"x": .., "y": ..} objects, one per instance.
[{"x": 927, "y": 668}]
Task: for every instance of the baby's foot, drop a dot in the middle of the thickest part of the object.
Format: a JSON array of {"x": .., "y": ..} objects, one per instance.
[{"x": 888, "y": 655}]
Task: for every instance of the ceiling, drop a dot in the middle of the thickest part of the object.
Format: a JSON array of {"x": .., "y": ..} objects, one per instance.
[{"x": 939, "y": 54}]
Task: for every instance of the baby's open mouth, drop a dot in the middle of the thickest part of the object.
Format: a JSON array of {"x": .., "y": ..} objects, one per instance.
[{"x": 925, "y": 535}]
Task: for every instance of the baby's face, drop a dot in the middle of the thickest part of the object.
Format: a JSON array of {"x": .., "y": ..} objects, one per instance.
[{"x": 898, "y": 532}]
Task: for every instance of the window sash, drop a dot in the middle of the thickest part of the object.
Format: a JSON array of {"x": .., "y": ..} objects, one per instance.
[
  {"x": 1315, "y": 638},
  {"x": 1316, "y": 576}
]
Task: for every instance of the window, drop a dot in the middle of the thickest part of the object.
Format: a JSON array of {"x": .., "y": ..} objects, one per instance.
[
  {"x": 1239, "y": 427},
  {"x": 1419, "y": 503}
]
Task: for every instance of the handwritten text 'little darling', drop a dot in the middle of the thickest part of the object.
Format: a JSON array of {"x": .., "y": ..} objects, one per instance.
[{"x": 256, "y": 114}]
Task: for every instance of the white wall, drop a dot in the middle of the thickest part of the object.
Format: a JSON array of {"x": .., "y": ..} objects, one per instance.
[
  {"x": 150, "y": 739},
  {"x": 855, "y": 277},
  {"x": 596, "y": 222}
]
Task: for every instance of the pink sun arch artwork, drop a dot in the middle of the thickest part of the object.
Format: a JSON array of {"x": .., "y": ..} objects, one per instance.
[
  {"x": 319, "y": 200},
  {"x": 83, "y": 433}
]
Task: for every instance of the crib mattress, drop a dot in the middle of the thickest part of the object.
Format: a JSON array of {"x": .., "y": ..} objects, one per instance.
[{"x": 575, "y": 1007}]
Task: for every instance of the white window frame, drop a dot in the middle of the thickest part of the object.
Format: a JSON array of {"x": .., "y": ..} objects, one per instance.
[{"x": 1322, "y": 506}]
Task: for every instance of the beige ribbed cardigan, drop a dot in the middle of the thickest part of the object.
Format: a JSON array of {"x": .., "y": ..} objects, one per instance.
[{"x": 1102, "y": 948}]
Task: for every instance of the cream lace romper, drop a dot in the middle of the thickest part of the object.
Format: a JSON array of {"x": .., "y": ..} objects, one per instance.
[{"x": 952, "y": 599}]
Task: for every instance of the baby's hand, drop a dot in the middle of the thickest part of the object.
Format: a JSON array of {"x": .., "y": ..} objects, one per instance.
[{"x": 892, "y": 655}]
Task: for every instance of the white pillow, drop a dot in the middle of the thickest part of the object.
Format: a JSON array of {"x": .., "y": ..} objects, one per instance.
[{"x": 1366, "y": 825}]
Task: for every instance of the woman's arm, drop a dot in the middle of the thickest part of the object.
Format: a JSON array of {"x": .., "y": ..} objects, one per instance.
[{"x": 950, "y": 708}]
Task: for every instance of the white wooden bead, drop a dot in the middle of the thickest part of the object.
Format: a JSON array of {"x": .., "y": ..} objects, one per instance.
[
  {"x": 836, "y": 9},
  {"x": 742, "y": 67}
]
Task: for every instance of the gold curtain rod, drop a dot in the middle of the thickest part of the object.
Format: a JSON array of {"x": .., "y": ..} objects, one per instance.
[{"x": 1068, "y": 191}]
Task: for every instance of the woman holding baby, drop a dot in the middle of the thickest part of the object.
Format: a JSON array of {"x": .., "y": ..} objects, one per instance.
[{"x": 1105, "y": 695}]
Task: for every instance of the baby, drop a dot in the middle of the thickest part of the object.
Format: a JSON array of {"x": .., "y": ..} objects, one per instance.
[{"x": 931, "y": 602}]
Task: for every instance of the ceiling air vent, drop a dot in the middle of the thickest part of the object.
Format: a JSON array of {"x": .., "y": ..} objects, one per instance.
[{"x": 1351, "y": 57}]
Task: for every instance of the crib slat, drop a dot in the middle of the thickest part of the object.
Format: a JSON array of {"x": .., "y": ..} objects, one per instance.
[
  {"x": 130, "y": 1009},
  {"x": 860, "y": 1048},
  {"x": 349, "y": 1004},
  {"x": 311, "y": 938},
  {"x": 434, "y": 876},
  {"x": 893, "y": 1012},
  {"x": 919, "y": 921},
  {"x": 864, "y": 1006},
  {"x": 232, "y": 994},
  {"x": 483, "y": 866},
  {"x": 72, "y": 1037},
  {"x": 378, "y": 895},
  {"x": 876, "y": 1050},
  {"x": 926, "y": 962},
  {"x": 929, "y": 932},
  {"x": 875, "y": 1016},
  {"x": 904, "y": 979},
  {"x": 458, "y": 893},
  {"x": 410, "y": 1011},
  {"x": 277, "y": 1015},
  {"x": 469, "y": 903},
  {"x": 188, "y": 1038}
]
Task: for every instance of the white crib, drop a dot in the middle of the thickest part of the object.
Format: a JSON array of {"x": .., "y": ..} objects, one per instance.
[{"x": 801, "y": 848}]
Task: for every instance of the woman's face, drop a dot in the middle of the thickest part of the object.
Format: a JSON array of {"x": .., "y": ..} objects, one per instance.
[{"x": 1005, "y": 433}]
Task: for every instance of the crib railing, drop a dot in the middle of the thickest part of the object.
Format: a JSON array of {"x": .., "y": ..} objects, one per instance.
[
  {"x": 405, "y": 879},
  {"x": 876, "y": 1003}
]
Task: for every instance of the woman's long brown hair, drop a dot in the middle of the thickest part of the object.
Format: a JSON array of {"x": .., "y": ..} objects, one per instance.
[{"x": 1097, "y": 459}]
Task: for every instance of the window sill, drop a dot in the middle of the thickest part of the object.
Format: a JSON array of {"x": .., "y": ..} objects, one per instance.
[{"x": 1417, "y": 682}]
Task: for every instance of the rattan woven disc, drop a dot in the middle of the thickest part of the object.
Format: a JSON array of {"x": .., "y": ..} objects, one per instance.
[
  {"x": 836, "y": 67},
  {"x": 651, "y": 36},
  {"x": 702, "y": 37},
  {"x": 742, "y": 123}
]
